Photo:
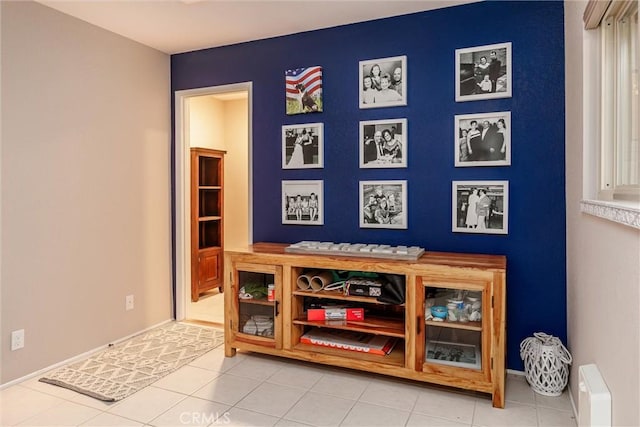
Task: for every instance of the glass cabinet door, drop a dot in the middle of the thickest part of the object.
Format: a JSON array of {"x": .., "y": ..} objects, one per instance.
[
  {"x": 454, "y": 333},
  {"x": 257, "y": 302}
]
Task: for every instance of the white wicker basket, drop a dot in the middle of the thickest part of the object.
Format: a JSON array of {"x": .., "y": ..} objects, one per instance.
[{"x": 546, "y": 363}]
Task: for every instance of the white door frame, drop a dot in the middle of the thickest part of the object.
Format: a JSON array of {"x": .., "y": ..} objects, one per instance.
[{"x": 183, "y": 178}]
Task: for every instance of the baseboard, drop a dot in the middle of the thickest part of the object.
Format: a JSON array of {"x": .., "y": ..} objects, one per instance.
[
  {"x": 514, "y": 372},
  {"x": 79, "y": 356}
]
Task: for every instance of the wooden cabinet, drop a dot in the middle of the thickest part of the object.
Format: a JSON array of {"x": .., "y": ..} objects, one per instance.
[
  {"x": 466, "y": 349},
  {"x": 207, "y": 208}
]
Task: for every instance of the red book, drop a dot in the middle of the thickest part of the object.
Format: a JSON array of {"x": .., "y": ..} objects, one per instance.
[{"x": 337, "y": 313}]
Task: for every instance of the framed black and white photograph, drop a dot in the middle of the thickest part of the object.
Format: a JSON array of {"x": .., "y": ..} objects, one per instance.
[
  {"x": 302, "y": 202},
  {"x": 383, "y": 204},
  {"x": 383, "y": 143},
  {"x": 453, "y": 354},
  {"x": 480, "y": 207},
  {"x": 302, "y": 146},
  {"x": 483, "y": 139},
  {"x": 483, "y": 72},
  {"x": 303, "y": 88},
  {"x": 383, "y": 82}
]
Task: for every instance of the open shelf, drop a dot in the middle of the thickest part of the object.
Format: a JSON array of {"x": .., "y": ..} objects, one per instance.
[
  {"x": 338, "y": 295},
  {"x": 371, "y": 325},
  {"x": 395, "y": 357}
]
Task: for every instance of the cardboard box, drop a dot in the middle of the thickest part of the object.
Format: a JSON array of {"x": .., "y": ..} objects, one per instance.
[
  {"x": 337, "y": 313},
  {"x": 363, "y": 287}
]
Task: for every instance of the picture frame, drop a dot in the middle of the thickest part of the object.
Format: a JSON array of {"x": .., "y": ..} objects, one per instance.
[
  {"x": 303, "y": 146},
  {"x": 483, "y": 72},
  {"x": 383, "y": 204},
  {"x": 453, "y": 354},
  {"x": 379, "y": 84},
  {"x": 298, "y": 202},
  {"x": 383, "y": 143},
  {"x": 480, "y": 215},
  {"x": 490, "y": 144},
  {"x": 303, "y": 90}
]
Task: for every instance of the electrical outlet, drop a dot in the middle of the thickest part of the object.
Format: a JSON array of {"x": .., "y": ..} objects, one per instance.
[
  {"x": 17, "y": 339},
  {"x": 128, "y": 303}
]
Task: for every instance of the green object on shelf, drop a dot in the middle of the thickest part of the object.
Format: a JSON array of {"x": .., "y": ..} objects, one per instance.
[
  {"x": 256, "y": 290},
  {"x": 341, "y": 275}
]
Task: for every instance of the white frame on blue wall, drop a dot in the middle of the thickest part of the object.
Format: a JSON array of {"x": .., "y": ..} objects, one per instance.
[
  {"x": 386, "y": 66},
  {"x": 490, "y": 158},
  {"x": 383, "y": 190},
  {"x": 367, "y": 142},
  {"x": 460, "y": 206},
  {"x": 302, "y": 189},
  {"x": 317, "y": 130},
  {"x": 503, "y": 50}
]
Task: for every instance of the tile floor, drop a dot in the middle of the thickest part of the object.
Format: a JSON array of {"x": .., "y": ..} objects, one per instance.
[{"x": 256, "y": 390}]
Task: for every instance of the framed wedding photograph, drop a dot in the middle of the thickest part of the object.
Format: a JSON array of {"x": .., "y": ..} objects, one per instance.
[
  {"x": 303, "y": 146},
  {"x": 483, "y": 139},
  {"x": 303, "y": 89},
  {"x": 383, "y": 143},
  {"x": 383, "y": 204},
  {"x": 483, "y": 72},
  {"x": 383, "y": 82},
  {"x": 480, "y": 207},
  {"x": 302, "y": 202},
  {"x": 453, "y": 354}
]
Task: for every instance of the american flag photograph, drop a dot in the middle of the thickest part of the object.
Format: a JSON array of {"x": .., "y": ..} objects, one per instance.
[{"x": 304, "y": 90}]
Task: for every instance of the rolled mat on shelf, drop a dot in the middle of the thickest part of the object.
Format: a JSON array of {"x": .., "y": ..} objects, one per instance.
[
  {"x": 320, "y": 280},
  {"x": 304, "y": 280}
]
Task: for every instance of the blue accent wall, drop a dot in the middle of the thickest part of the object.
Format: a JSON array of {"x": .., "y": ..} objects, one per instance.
[{"x": 535, "y": 246}]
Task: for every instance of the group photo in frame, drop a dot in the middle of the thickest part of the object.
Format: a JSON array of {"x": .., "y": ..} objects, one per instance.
[
  {"x": 483, "y": 72},
  {"x": 303, "y": 146},
  {"x": 303, "y": 89},
  {"x": 483, "y": 139},
  {"x": 480, "y": 207},
  {"x": 453, "y": 354},
  {"x": 383, "y": 143},
  {"x": 383, "y": 82},
  {"x": 303, "y": 202},
  {"x": 383, "y": 204}
]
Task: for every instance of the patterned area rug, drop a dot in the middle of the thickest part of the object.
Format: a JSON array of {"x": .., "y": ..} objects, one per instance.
[{"x": 125, "y": 368}]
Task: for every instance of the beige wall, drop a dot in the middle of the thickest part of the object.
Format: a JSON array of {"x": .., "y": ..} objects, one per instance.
[
  {"x": 206, "y": 122},
  {"x": 603, "y": 258},
  {"x": 85, "y": 186}
]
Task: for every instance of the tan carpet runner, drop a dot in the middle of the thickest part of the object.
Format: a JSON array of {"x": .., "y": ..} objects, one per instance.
[{"x": 125, "y": 368}]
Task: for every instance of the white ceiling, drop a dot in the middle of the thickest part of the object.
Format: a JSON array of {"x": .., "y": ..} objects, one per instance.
[{"x": 174, "y": 26}]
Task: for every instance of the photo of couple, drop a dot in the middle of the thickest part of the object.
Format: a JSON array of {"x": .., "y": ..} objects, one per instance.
[
  {"x": 483, "y": 72},
  {"x": 480, "y": 206},
  {"x": 302, "y": 146},
  {"x": 383, "y": 144}
]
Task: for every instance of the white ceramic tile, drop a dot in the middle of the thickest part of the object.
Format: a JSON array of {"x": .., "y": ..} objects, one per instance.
[
  {"x": 342, "y": 384},
  {"x": 548, "y": 417},
  {"x": 446, "y": 404},
  {"x": 228, "y": 389},
  {"x": 391, "y": 393},
  {"x": 107, "y": 420},
  {"x": 288, "y": 423},
  {"x": 186, "y": 380},
  {"x": 65, "y": 414},
  {"x": 364, "y": 414},
  {"x": 419, "y": 420},
  {"x": 257, "y": 368},
  {"x": 517, "y": 389},
  {"x": 513, "y": 414},
  {"x": 320, "y": 409},
  {"x": 146, "y": 404},
  {"x": 242, "y": 417},
  {"x": 294, "y": 375},
  {"x": 54, "y": 390},
  {"x": 193, "y": 412},
  {"x": 271, "y": 399},
  {"x": 18, "y": 403},
  {"x": 562, "y": 402},
  {"x": 215, "y": 360}
]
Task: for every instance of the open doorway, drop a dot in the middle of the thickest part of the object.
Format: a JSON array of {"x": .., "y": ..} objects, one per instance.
[{"x": 218, "y": 118}]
